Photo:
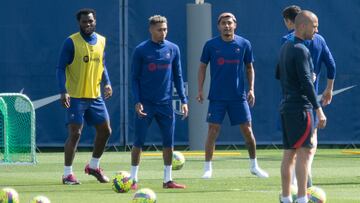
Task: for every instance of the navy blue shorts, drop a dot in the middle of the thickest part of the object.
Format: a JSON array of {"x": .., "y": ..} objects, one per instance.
[
  {"x": 297, "y": 129},
  {"x": 93, "y": 111},
  {"x": 238, "y": 111},
  {"x": 164, "y": 116}
]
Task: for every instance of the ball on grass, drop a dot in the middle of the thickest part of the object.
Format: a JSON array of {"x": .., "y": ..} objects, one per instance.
[
  {"x": 121, "y": 182},
  {"x": 178, "y": 160},
  {"x": 40, "y": 199},
  {"x": 9, "y": 195},
  {"x": 316, "y": 195},
  {"x": 144, "y": 195}
]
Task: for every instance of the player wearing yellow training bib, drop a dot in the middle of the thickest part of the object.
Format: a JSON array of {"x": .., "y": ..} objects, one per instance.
[
  {"x": 84, "y": 74},
  {"x": 80, "y": 72}
]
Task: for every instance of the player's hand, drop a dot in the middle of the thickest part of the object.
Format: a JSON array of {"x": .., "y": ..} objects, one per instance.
[
  {"x": 65, "y": 100},
  {"x": 107, "y": 91},
  {"x": 139, "y": 108},
  {"x": 251, "y": 98},
  {"x": 326, "y": 97},
  {"x": 321, "y": 117},
  {"x": 200, "y": 97},
  {"x": 184, "y": 110}
]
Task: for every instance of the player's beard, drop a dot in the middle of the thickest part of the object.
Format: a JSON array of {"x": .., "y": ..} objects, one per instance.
[{"x": 88, "y": 30}]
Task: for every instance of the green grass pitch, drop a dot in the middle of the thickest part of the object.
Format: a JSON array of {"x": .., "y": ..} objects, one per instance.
[{"x": 337, "y": 173}]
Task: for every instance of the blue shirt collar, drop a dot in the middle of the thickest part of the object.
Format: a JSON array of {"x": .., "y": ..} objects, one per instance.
[{"x": 88, "y": 38}]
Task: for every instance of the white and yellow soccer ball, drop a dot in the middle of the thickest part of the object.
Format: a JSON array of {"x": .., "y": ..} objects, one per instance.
[
  {"x": 316, "y": 195},
  {"x": 121, "y": 182},
  {"x": 40, "y": 199},
  {"x": 178, "y": 160},
  {"x": 9, "y": 195},
  {"x": 144, "y": 195}
]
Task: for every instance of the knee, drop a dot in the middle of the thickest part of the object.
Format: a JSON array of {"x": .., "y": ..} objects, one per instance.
[
  {"x": 304, "y": 154},
  {"x": 249, "y": 136},
  {"x": 75, "y": 134},
  {"x": 288, "y": 159},
  {"x": 246, "y": 129},
  {"x": 106, "y": 131},
  {"x": 214, "y": 130}
]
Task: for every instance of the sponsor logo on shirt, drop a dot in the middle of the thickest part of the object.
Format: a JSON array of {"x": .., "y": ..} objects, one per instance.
[
  {"x": 221, "y": 61},
  {"x": 153, "y": 66},
  {"x": 86, "y": 59}
]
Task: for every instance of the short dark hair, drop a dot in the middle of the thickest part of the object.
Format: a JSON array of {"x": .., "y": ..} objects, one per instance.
[
  {"x": 155, "y": 19},
  {"x": 291, "y": 12},
  {"x": 226, "y": 15},
  {"x": 85, "y": 11}
]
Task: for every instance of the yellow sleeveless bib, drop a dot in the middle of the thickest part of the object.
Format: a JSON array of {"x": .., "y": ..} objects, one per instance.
[{"x": 84, "y": 74}]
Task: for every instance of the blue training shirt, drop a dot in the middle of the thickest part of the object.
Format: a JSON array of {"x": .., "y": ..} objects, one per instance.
[
  {"x": 155, "y": 66},
  {"x": 227, "y": 60},
  {"x": 320, "y": 53},
  {"x": 67, "y": 57}
]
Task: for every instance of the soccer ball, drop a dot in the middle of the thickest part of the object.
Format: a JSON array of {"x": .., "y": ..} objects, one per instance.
[
  {"x": 9, "y": 195},
  {"x": 316, "y": 195},
  {"x": 144, "y": 195},
  {"x": 121, "y": 182},
  {"x": 178, "y": 160},
  {"x": 40, "y": 199},
  {"x": 293, "y": 192}
]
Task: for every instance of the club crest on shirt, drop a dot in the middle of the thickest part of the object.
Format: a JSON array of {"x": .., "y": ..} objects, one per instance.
[
  {"x": 237, "y": 50},
  {"x": 167, "y": 55}
]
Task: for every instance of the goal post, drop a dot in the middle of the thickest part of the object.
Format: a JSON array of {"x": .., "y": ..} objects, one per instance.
[{"x": 17, "y": 128}]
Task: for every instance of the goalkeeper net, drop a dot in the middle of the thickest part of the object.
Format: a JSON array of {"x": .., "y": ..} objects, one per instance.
[{"x": 17, "y": 129}]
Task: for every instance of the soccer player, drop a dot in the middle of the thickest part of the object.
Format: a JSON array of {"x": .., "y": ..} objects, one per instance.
[
  {"x": 80, "y": 71},
  {"x": 299, "y": 98},
  {"x": 155, "y": 66},
  {"x": 230, "y": 57},
  {"x": 320, "y": 54}
]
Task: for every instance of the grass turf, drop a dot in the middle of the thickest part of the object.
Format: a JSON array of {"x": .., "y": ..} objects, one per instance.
[{"x": 337, "y": 173}]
